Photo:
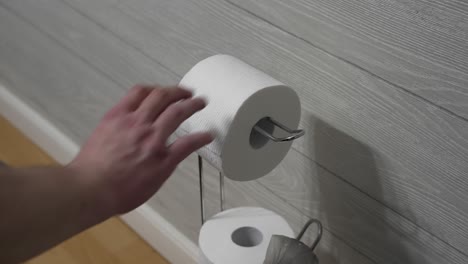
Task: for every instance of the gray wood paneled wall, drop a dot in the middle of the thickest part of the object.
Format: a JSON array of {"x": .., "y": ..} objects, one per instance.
[{"x": 384, "y": 88}]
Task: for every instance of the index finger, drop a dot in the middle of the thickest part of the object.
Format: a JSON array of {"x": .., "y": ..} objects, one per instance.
[
  {"x": 186, "y": 145},
  {"x": 158, "y": 100}
]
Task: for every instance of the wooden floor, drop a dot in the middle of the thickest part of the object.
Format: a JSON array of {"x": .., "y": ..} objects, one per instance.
[{"x": 109, "y": 242}]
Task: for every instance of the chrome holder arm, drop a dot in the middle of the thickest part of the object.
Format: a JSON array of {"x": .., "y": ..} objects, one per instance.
[{"x": 294, "y": 133}]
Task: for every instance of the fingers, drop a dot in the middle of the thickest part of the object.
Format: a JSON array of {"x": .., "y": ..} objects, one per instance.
[
  {"x": 175, "y": 114},
  {"x": 131, "y": 101},
  {"x": 158, "y": 100},
  {"x": 170, "y": 119},
  {"x": 186, "y": 145}
]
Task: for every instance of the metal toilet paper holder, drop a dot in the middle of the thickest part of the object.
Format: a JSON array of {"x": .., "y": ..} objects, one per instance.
[
  {"x": 319, "y": 232},
  {"x": 283, "y": 249},
  {"x": 293, "y": 134}
]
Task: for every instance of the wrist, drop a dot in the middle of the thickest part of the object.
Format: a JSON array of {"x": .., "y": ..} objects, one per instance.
[{"x": 96, "y": 202}]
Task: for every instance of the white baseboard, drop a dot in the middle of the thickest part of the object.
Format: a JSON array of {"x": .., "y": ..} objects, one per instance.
[
  {"x": 162, "y": 235},
  {"x": 150, "y": 225},
  {"x": 36, "y": 127}
]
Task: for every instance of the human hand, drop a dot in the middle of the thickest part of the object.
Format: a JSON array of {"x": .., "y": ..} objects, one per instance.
[{"x": 127, "y": 159}]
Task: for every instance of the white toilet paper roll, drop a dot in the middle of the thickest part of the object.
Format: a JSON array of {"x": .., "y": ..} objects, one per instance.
[
  {"x": 239, "y": 96},
  {"x": 240, "y": 235}
]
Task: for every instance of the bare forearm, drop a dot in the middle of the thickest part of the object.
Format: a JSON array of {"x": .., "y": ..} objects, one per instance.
[
  {"x": 41, "y": 207},
  {"x": 123, "y": 163}
]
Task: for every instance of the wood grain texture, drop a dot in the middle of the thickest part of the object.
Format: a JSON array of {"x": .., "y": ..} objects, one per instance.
[
  {"x": 18, "y": 151},
  {"x": 36, "y": 61},
  {"x": 351, "y": 216},
  {"x": 180, "y": 203},
  {"x": 419, "y": 45},
  {"x": 375, "y": 137},
  {"x": 176, "y": 203},
  {"x": 38, "y": 68},
  {"x": 418, "y": 151},
  {"x": 176, "y": 211},
  {"x": 96, "y": 46},
  {"x": 108, "y": 242}
]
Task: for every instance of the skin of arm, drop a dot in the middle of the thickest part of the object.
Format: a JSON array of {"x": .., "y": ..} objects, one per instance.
[{"x": 123, "y": 163}]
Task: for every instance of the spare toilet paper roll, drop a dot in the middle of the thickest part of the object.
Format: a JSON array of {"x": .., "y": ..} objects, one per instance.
[
  {"x": 239, "y": 96},
  {"x": 240, "y": 235}
]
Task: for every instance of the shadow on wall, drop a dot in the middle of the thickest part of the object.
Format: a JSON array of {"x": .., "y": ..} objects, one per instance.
[{"x": 340, "y": 204}]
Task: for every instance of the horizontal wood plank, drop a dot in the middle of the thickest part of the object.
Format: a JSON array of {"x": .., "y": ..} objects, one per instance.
[
  {"x": 179, "y": 208},
  {"x": 328, "y": 145},
  {"x": 37, "y": 63},
  {"x": 298, "y": 191},
  {"x": 179, "y": 199},
  {"x": 418, "y": 151},
  {"x": 421, "y": 46},
  {"x": 95, "y": 45}
]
